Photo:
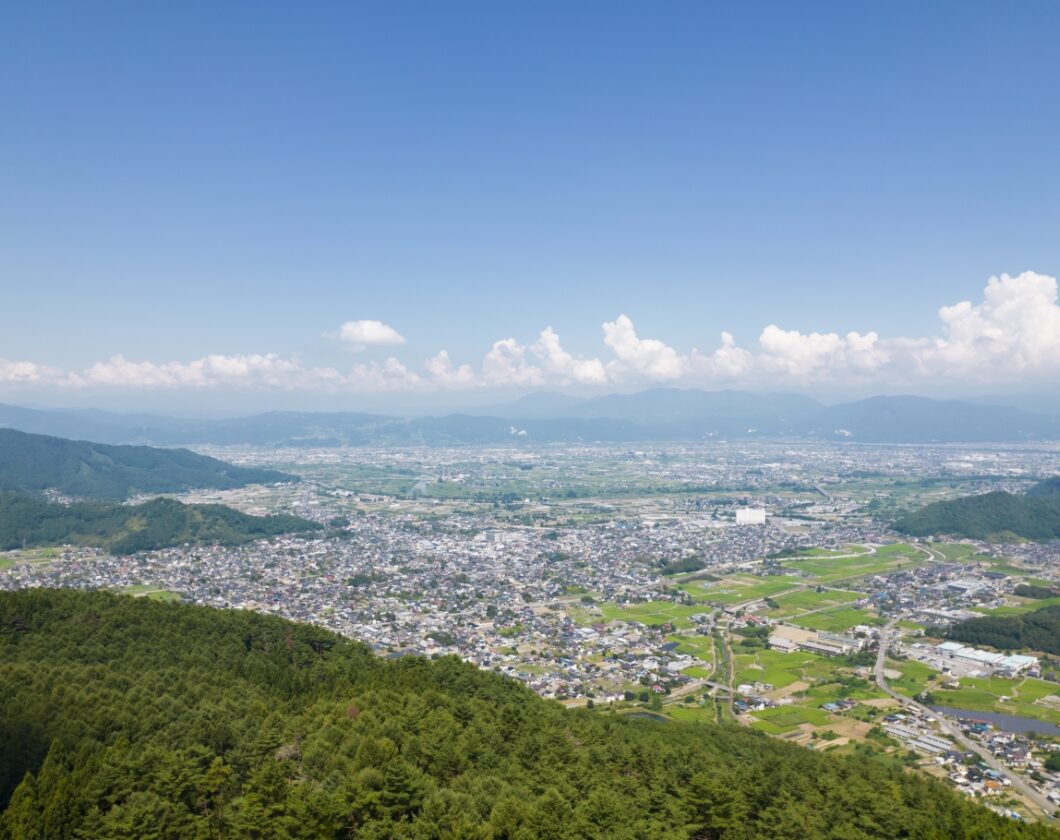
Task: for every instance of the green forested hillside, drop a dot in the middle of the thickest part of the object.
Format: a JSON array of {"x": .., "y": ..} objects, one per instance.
[
  {"x": 127, "y": 718},
  {"x": 1047, "y": 487},
  {"x": 989, "y": 516},
  {"x": 26, "y": 521},
  {"x": 1037, "y": 630},
  {"x": 33, "y": 463}
]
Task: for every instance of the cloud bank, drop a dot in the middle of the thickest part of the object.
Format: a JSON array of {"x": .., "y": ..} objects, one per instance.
[{"x": 1013, "y": 333}]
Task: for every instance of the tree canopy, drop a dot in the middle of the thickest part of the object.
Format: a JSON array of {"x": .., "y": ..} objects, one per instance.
[
  {"x": 124, "y": 717},
  {"x": 26, "y": 521},
  {"x": 988, "y": 516},
  {"x": 34, "y": 463},
  {"x": 1037, "y": 630}
]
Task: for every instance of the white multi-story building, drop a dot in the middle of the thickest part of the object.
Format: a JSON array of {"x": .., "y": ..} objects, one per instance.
[{"x": 750, "y": 516}]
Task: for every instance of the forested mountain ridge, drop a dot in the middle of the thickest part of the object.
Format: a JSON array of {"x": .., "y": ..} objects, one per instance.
[
  {"x": 26, "y": 522},
  {"x": 997, "y": 515},
  {"x": 34, "y": 463},
  {"x": 122, "y": 717}
]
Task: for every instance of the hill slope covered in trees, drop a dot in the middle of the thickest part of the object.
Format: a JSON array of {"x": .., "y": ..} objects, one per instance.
[
  {"x": 128, "y": 718},
  {"x": 33, "y": 463},
  {"x": 1037, "y": 630},
  {"x": 989, "y": 516},
  {"x": 27, "y": 522}
]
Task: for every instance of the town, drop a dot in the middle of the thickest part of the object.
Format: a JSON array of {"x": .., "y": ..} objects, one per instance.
[{"x": 754, "y": 583}]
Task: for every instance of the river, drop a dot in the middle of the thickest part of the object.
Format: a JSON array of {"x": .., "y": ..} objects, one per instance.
[{"x": 1008, "y": 723}]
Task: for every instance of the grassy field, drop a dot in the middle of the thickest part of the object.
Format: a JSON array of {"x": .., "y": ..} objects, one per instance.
[
  {"x": 737, "y": 590},
  {"x": 153, "y": 592},
  {"x": 782, "y": 719},
  {"x": 779, "y": 669},
  {"x": 810, "y": 599},
  {"x": 885, "y": 559},
  {"x": 985, "y": 695},
  {"x": 1018, "y": 606},
  {"x": 914, "y": 677},
  {"x": 836, "y": 620},
  {"x": 29, "y": 555},
  {"x": 652, "y": 612},
  {"x": 691, "y": 712},
  {"x": 697, "y": 646}
]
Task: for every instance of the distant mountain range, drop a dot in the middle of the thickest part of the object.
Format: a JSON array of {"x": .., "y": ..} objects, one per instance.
[
  {"x": 661, "y": 414},
  {"x": 997, "y": 516},
  {"x": 32, "y": 463}
]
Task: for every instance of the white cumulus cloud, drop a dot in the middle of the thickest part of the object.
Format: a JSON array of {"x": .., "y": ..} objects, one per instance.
[
  {"x": 647, "y": 357},
  {"x": 558, "y": 363},
  {"x": 358, "y": 335},
  {"x": 1013, "y": 332}
]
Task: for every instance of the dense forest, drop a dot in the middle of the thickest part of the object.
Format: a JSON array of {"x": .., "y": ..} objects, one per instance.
[
  {"x": 1048, "y": 487},
  {"x": 990, "y": 516},
  {"x": 1038, "y": 630},
  {"x": 34, "y": 463},
  {"x": 124, "y": 717},
  {"x": 26, "y": 521}
]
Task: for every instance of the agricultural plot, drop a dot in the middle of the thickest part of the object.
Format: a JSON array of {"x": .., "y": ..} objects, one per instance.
[
  {"x": 810, "y": 599},
  {"x": 737, "y": 590},
  {"x": 845, "y": 551},
  {"x": 700, "y": 647},
  {"x": 43, "y": 554},
  {"x": 914, "y": 679},
  {"x": 781, "y": 719},
  {"x": 779, "y": 669},
  {"x": 652, "y": 612},
  {"x": 152, "y": 592},
  {"x": 885, "y": 559},
  {"x": 691, "y": 712},
  {"x": 1018, "y": 606},
  {"x": 1024, "y": 697},
  {"x": 836, "y": 620}
]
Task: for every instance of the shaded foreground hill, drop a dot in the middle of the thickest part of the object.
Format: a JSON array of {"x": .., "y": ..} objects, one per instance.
[
  {"x": 34, "y": 463},
  {"x": 128, "y": 718},
  {"x": 26, "y": 522}
]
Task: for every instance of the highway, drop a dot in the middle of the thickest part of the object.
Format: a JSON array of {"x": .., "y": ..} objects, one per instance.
[{"x": 951, "y": 728}]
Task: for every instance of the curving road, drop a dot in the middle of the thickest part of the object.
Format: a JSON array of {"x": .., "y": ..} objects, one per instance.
[{"x": 951, "y": 728}]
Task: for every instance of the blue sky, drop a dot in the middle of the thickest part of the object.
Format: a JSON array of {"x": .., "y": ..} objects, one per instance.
[{"x": 237, "y": 181}]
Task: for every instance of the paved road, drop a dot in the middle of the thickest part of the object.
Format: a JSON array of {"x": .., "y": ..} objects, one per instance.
[{"x": 953, "y": 730}]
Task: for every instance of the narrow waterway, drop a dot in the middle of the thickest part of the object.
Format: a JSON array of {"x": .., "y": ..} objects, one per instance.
[{"x": 1007, "y": 723}]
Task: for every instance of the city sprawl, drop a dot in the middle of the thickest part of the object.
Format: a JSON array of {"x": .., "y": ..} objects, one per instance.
[{"x": 618, "y": 578}]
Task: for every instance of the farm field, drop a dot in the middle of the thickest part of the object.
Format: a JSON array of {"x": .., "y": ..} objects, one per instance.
[
  {"x": 700, "y": 647},
  {"x": 737, "y": 590},
  {"x": 1018, "y": 606},
  {"x": 836, "y": 620},
  {"x": 810, "y": 599},
  {"x": 1026, "y": 697},
  {"x": 780, "y": 669},
  {"x": 144, "y": 591},
  {"x": 885, "y": 559},
  {"x": 781, "y": 719},
  {"x": 652, "y": 612},
  {"x": 914, "y": 679},
  {"x": 29, "y": 555}
]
